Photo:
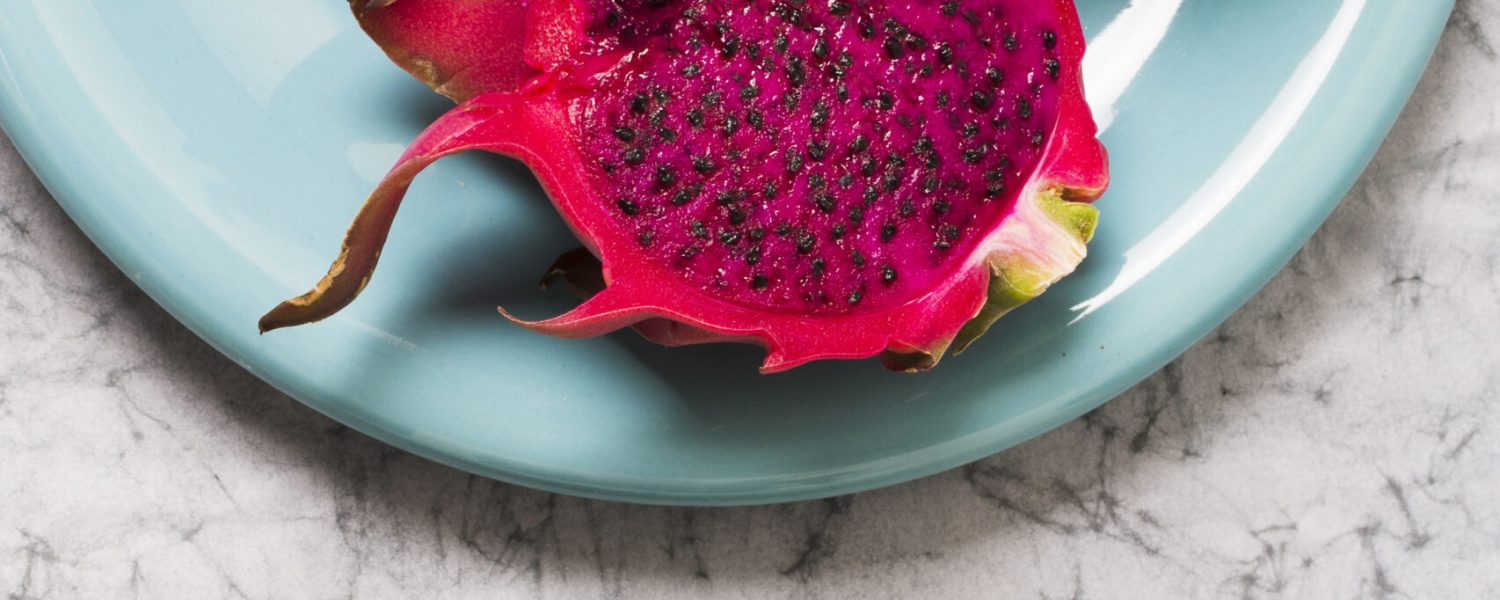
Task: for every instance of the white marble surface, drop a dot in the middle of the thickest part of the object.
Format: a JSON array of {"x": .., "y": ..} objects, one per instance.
[{"x": 1337, "y": 438}]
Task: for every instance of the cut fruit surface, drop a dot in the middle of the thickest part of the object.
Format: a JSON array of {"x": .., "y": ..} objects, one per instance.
[{"x": 829, "y": 179}]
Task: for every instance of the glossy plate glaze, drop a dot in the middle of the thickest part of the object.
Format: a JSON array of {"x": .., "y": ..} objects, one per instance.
[{"x": 216, "y": 151}]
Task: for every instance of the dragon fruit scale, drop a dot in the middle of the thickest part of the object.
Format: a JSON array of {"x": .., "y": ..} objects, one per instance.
[{"x": 825, "y": 178}]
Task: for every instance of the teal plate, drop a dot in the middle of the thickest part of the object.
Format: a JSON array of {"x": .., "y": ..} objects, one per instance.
[{"x": 216, "y": 151}]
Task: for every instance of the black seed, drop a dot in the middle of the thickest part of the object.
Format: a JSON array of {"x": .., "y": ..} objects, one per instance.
[
  {"x": 894, "y": 27},
  {"x": 712, "y": 97},
  {"x": 1011, "y": 42},
  {"x": 975, "y": 154},
  {"x": 692, "y": 70},
  {"x": 870, "y": 194},
  {"x": 929, "y": 184},
  {"x": 867, "y": 167},
  {"x": 752, "y": 256},
  {"x": 756, "y": 120},
  {"x": 624, "y": 134},
  {"x": 838, "y": 7},
  {"x": 950, "y": 232},
  {"x": 819, "y": 114},
  {"x": 753, "y": 51},
  {"x": 690, "y": 251},
  {"x": 893, "y": 48},
  {"x": 916, "y": 42},
  {"x": 703, "y": 164},
  {"x": 686, "y": 195},
  {"x": 970, "y": 129},
  {"x": 634, "y": 156},
  {"x": 806, "y": 242},
  {"x": 846, "y": 180},
  {"x": 941, "y": 245},
  {"x": 695, "y": 117},
  {"x": 884, "y": 100},
  {"x": 945, "y": 53},
  {"x": 794, "y": 162},
  {"x": 794, "y": 71},
  {"x": 818, "y": 265},
  {"x": 1049, "y": 39},
  {"x": 730, "y": 237},
  {"x": 628, "y": 206},
  {"x": 724, "y": 199},
  {"x": 891, "y": 181},
  {"x": 790, "y": 100},
  {"x": 942, "y": 98},
  {"x": 660, "y": 94},
  {"x": 907, "y": 208},
  {"x": 817, "y": 150},
  {"x": 647, "y": 236},
  {"x": 994, "y": 189},
  {"x": 736, "y": 216},
  {"x": 856, "y": 214},
  {"x": 820, "y": 49},
  {"x": 888, "y": 274},
  {"x": 1003, "y": 162},
  {"x": 666, "y": 134},
  {"x": 768, "y": 190},
  {"x": 731, "y": 125},
  {"x": 1037, "y": 137},
  {"x": 843, "y": 92},
  {"x": 665, "y": 177},
  {"x": 932, "y": 160},
  {"x": 994, "y": 74},
  {"x": 783, "y": 229},
  {"x": 1051, "y": 66},
  {"x": 837, "y": 232},
  {"x": 749, "y": 92},
  {"x": 866, "y": 29},
  {"x": 780, "y": 43},
  {"x": 859, "y": 144},
  {"x": 758, "y": 281},
  {"x": 981, "y": 101},
  {"x": 888, "y": 232},
  {"x": 971, "y": 17},
  {"x": 950, "y": 8},
  {"x": 825, "y": 202},
  {"x": 854, "y": 297},
  {"x": 816, "y": 181},
  {"x": 756, "y": 233},
  {"x": 857, "y": 258},
  {"x": 639, "y": 103},
  {"x": 731, "y": 46},
  {"x": 658, "y": 117},
  {"x": 941, "y": 207},
  {"x": 1023, "y": 108},
  {"x": 926, "y": 70}
]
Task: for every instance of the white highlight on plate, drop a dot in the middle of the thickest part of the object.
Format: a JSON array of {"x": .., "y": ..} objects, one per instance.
[
  {"x": 1247, "y": 159},
  {"x": 260, "y": 43},
  {"x": 1116, "y": 55}
]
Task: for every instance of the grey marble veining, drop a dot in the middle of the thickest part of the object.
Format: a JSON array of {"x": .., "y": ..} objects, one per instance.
[{"x": 1337, "y": 438}]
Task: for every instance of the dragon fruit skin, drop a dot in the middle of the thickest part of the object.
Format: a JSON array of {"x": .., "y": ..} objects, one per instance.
[{"x": 834, "y": 179}]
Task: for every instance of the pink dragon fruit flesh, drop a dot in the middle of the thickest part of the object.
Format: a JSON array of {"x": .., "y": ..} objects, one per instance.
[{"x": 825, "y": 178}]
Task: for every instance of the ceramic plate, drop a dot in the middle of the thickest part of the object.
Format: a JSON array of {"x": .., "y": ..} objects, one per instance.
[{"x": 216, "y": 151}]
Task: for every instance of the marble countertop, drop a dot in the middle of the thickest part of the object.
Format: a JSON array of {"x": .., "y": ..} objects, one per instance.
[{"x": 1338, "y": 437}]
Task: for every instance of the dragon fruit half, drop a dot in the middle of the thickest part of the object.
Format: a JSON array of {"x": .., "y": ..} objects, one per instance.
[{"x": 826, "y": 178}]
